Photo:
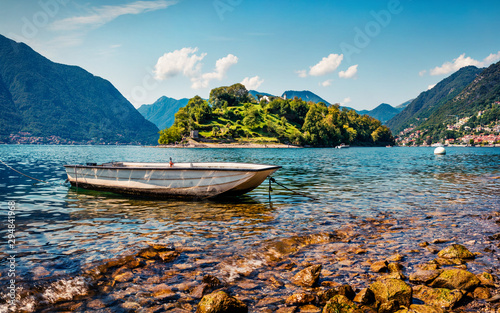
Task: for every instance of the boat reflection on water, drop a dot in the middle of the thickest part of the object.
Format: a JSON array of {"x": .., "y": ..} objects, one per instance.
[{"x": 105, "y": 205}]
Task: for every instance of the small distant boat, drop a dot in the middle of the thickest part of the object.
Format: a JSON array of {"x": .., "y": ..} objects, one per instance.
[
  {"x": 342, "y": 146},
  {"x": 164, "y": 180}
]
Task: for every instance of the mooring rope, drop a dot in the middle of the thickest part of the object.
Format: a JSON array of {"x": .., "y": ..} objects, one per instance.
[
  {"x": 40, "y": 180},
  {"x": 272, "y": 180}
]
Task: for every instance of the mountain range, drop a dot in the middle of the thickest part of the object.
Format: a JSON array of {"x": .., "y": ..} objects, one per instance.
[
  {"x": 383, "y": 112},
  {"x": 43, "y": 98},
  {"x": 162, "y": 111}
]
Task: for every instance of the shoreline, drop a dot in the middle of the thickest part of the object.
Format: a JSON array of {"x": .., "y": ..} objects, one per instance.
[
  {"x": 346, "y": 261},
  {"x": 195, "y": 144}
]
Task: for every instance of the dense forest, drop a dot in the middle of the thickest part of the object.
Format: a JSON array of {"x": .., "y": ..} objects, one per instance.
[{"x": 232, "y": 114}]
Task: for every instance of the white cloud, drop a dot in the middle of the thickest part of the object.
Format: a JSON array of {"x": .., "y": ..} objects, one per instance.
[
  {"x": 107, "y": 13},
  {"x": 301, "y": 73},
  {"x": 462, "y": 61},
  {"x": 350, "y": 73},
  {"x": 326, "y": 65},
  {"x": 326, "y": 83},
  {"x": 458, "y": 63},
  {"x": 346, "y": 100},
  {"x": 492, "y": 58},
  {"x": 422, "y": 73},
  {"x": 186, "y": 62},
  {"x": 221, "y": 67},
  {"x": 430, "y": 87},
  {"x": 252, "y": 83},
  {"x": 183, "y": 61}
]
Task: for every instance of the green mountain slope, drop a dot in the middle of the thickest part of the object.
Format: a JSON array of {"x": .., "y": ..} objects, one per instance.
[
  {"x": 162, "y": 112},
  {"x": 47, "y": 98},
  {"x": 429, "y": 101},
  {"x": 480, "y": 95}
]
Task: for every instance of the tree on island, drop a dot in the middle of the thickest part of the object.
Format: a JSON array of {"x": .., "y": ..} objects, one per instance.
[{"x": 231, "y": 113}]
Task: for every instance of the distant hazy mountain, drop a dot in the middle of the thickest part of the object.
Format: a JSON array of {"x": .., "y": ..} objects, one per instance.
[
  {"x": 162, "y": 112},
  {"x": 428, "y": 102},
  {"x": 404, "y": 104},
  {"x": 305, "y": 95},
  {"x": 46, "y": 98},
  {"x": 383, "y": 112},
  {"x": 254, "y": 93}
]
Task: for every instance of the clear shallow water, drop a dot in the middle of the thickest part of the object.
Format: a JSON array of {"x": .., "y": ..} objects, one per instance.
[{"x": 60, "y": 230}]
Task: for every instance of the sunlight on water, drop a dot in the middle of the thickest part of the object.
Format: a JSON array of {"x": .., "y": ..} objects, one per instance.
[{"x": 60, "y": 231}]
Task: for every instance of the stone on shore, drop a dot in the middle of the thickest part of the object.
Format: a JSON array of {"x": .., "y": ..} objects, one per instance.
[
  {"x": 455, "y": 251},
  {"x": 424, "y": 276},
  {"x": 365, "y": 296},
  {"x": 379, "y": 266},
  {"x": 456, "y": 279},
  {"x": 390, "y": 294},
  {"x": 481, "y": 293},
  {"x": 221, "y": 302},
  {"x": 486, "y": 279},
  {"x": 395, "y": 267},
  {"x": 439, "y": 297},
  {"x": 308, "y": 277},
  {"x": 340, "y": 304},
  {"x": 421, "y": 308},
  {"x": 344, "y": 290},
  {"x": 299, "y": 299}
]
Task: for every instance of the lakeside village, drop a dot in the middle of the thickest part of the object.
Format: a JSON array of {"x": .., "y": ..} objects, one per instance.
[
  {"x": 26, "y": 138},
  {"x": 457, "y": 135}
]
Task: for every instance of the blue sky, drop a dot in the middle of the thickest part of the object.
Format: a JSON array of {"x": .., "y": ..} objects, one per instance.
[{"x": 358, "y": 53}]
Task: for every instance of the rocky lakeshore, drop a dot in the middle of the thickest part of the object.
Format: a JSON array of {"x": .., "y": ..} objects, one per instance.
[{"x": 357, "y": 268}]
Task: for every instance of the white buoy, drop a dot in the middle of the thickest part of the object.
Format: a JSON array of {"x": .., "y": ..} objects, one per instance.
[{"x": 440, "y": 151}]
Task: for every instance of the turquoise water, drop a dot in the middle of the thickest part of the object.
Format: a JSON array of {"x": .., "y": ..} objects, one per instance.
[{"x": 58, "y": 230}]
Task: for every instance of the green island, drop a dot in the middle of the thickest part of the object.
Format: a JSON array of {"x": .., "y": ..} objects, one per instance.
[{"x": 231, "y": 114}]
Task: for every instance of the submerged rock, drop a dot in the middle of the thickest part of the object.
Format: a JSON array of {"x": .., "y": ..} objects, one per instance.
[
  {"x": 456, "y": 279},
  {"x": 390, "y": 294},
  {"x": 440, "y": 297},
  {"x": 200, "y": 290},
  {"x": 455, "y": 251},
  {"x": 221, "y": 302},
  {"x": 308, "y": 277},
  {"x": 211, "y": 280}
]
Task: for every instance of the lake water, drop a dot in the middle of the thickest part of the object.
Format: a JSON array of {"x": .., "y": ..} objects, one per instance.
[{"x": 59, "y": 231}]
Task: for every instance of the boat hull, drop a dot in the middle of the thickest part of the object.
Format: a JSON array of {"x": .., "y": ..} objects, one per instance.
[{"x": 159, "y": 180}]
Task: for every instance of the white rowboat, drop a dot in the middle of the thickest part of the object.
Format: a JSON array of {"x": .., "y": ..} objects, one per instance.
[{"x": 203, "y": 180}]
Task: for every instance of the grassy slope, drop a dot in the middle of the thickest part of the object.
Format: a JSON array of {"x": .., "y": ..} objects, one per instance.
[{"x": 256, "y": 134}]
